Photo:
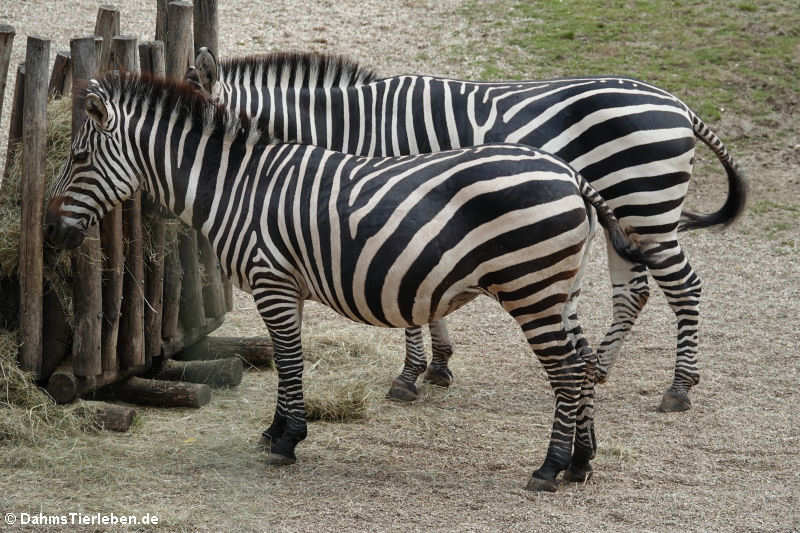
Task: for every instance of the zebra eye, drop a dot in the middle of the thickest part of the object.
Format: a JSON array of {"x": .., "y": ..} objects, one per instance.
[{"x": 81, "y": 157}]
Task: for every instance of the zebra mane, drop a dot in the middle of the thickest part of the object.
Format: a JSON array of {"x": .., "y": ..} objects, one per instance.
[
  {"x": 178, "y": 97},
  {"x": 319, "y": 70}
]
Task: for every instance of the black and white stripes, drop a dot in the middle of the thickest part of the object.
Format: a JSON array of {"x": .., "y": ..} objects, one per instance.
[
  {"x": 394, "y": 242},
  {"x": 634, "y": 142}
]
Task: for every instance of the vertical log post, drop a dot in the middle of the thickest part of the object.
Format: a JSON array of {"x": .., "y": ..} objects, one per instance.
[
  {"x": 61, "y": 76},
  {"x": 189, "y": 301},
  {"x": 206, "y": 34},
  {"x": 6, "y": 43},
  {"x": 34, "y": 148},
  {"x": 87, "y": 302},
  {"x": 131, "y": 333},
  {"x": 161, "y": 20},
  {"x": 15, "y": 127},
  {"x": 107, "y": 26},
  {"x": 151, "y": 59},
  {"x": 206, "y": 27}
]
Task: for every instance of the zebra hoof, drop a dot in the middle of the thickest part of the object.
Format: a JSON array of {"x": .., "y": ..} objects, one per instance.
[
  {"x": 402, "y": 391},
  {"x": 441, "y": 377},
  {"x": 674, "y": 402},
  {"x": 276, "y": 459},
  {"x": 600, "y": 375},
  {"x": 578, "y": 475},
  {"x": 536, "y": 484}
]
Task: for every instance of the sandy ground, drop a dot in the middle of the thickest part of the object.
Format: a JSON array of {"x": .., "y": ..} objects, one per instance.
[{"x": 458, "y": 459}]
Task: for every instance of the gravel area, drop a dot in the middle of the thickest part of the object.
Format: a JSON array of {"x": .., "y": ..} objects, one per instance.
[{"x": 457, "y": 459}]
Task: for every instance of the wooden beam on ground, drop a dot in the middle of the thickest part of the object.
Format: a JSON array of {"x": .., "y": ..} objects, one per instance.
[
  {"x": 65, "y": 386},
  {"x": 86, "y": 260},
  {"x": 214, "y": 373},
  {"x": 15, "y": 125},
  {"x": 61, "y": 75},
  {"x": 31, "y": 256},
  {"x": 109, "y": 416},
  {"x": 254, "y": 351},
  {"x": 157, "y": 393},
  {"x": 6, "y": 44}
]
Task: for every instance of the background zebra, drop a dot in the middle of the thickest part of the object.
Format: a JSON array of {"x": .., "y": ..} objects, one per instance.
[
  {"x": 391, "y": 242},
  {"x": 632, "y": 141}
]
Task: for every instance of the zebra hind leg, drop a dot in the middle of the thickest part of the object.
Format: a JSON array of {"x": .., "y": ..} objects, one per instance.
[
  {"x": 439, "y": 372},
  {"x": 630, "y": 293},
  {"x": 682, "y": 287},
  {"x": 404, "y": 386},
  {"x": 585, "y": 445}
]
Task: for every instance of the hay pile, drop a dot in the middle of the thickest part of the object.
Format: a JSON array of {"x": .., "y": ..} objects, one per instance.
[
  {"x": 337, "y": 385},
  {"x": 28, "y": 415}
]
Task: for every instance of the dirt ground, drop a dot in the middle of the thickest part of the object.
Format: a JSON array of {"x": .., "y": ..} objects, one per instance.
[{"x": 458, "y": 459}]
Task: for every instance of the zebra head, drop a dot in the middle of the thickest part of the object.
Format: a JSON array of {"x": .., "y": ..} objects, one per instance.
[
  {"x": 204, "y": 75},
  {"x": 96, "y": 177}
]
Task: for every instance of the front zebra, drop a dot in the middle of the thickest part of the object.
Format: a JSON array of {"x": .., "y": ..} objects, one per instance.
[
  {"x": 394, "y": 242},
  {"x": 634, "y": 143}
]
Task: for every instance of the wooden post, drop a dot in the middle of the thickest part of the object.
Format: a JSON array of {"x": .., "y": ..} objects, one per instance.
[
  {"x": 106, "y": 26},
  {"x": 15, "y": 127},
  {"x": 206, "y": 34},
  {"x": 192, "y": 309},
  {"x": 87, "y": 360},
  {"x": 189, "y": 302},
  {"x": 151, "y": 58},
  {"x": 109, "y": 416},
  {"x": 256, "y": 351},
  {"x": 113, "y": 249},
  {"x": 206, "y": 25},
  {"x": 131, "y": 335},
  {"x": 214, "y": 373},
  {"x": 158, "y": 393},
  {"x": 61, "y": 77},
  {"x": 6, "y": 43},
  {"x": 179, "y": 38},
  {"x": 213, "y": 290},
  {"x": 161, "y": 20},
  {"x": 34, "y": 148}
]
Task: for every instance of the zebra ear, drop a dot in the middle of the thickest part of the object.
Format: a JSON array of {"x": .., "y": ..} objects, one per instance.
[
  {"x": 206, "y": 70},
  {"x": 97, "y": 110}
]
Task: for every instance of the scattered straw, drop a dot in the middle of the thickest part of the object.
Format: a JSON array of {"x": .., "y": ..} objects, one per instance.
[{"x": 336, "y": 402}]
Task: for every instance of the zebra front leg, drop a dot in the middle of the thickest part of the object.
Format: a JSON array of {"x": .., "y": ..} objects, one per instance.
[
  {"x": 404, "y": 386},
  {"x": 438, "y": 372},
  {"x": 630, "y": 293},
  {"x": 281, "y": 310},
  {"x": 682, "y": 287}
]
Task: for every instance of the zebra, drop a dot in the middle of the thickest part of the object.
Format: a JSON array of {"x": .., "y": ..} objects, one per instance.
[
  {"x": 634, "y": 142},
  {"x": 393, "y": 242}
]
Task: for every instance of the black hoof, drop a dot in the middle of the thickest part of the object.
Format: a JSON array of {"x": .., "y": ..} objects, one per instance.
[
  {"x": 439, "y": 376},
  {"x": 674, "y": 402},
  {"x": 578, "y": 475},
  {"x": 402, "y": 391},
  {"x": 536, "y": 484}
]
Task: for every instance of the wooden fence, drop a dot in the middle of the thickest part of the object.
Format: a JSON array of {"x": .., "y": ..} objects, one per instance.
[{"x": 132, "y": 312}]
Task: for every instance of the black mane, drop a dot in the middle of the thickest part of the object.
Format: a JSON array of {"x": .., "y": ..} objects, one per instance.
[
  {"x": 338, "y": 70},
  {"x": 177, "y": 96}
]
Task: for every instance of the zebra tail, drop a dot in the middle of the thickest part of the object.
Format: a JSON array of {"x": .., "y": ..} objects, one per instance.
[
  {"x": 623, "y": 242},
  {"x": 737, "y": 184}
]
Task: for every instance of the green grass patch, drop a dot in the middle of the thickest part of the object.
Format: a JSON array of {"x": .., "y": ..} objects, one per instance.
[{"x": 718, "y": 57}]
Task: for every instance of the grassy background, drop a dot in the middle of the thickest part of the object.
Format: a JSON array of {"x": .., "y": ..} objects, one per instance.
[{"x": 719, "y": 56}]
